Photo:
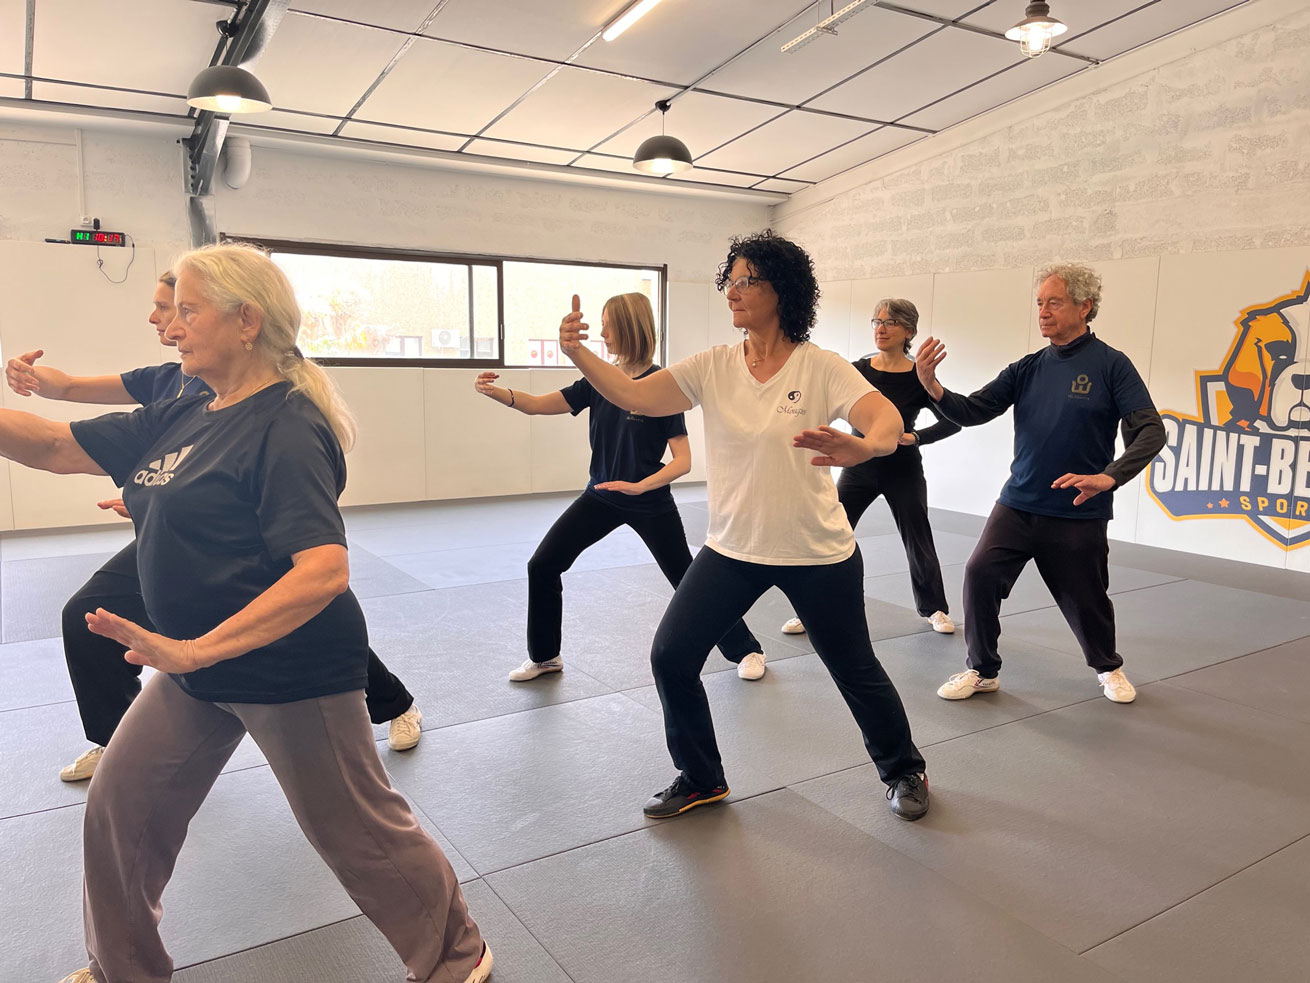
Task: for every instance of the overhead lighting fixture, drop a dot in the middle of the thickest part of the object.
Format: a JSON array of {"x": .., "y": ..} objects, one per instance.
[
  {"x": 1035, "y": 31},
  {"x": 829, "y": 24},
  {"x": 626, "y": 19},
  {"x": 226, "y": 89},
  {"x": 662, "y": 154}
]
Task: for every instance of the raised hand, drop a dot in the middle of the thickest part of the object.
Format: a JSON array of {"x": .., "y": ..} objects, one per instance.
[
  {"x": 19, "y": 374},
  {"x": 117, "y": 505},
  {"x": 926, "y": 359},
  {"x": 835, "y": 449},
  {"x": 1088, "y": 485},
  {"x": 483, "y": 383},
  {"x": 145, "y": 648},
  {"x": 572, "y": 330}
]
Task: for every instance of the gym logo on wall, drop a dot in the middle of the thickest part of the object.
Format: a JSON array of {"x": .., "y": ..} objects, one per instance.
[{"x": 1247, "y": 455}]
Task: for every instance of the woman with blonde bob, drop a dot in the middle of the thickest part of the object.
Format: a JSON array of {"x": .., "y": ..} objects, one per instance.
[
  {"x": 244, "y": 574},
  {"x": 628, "y": 486}
]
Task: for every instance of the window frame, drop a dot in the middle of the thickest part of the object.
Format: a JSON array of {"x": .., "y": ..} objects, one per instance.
[{"x": 351, "y": 251}]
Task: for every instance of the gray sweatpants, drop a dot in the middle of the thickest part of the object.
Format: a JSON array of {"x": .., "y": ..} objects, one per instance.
[{"x": 167, "y": 754}]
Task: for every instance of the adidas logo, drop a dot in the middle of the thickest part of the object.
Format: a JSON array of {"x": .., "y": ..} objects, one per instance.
[{"x": 161, "y": 472}]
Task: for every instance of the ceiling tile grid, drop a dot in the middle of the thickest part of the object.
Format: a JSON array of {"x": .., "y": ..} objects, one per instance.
[
  {"x": 86, "y": 95},
  {"x": 547, "y": 30},
  {"x": 785, "y": 142},
  {"x": 1145, "y": 25},
  {"x": 700, "y": 121},
  {"x": 402, "y": 136},
  {"x": 882, "y": 141},
  {"x": 1009, "y": 84},
  {"x": 400, "y": 15}
]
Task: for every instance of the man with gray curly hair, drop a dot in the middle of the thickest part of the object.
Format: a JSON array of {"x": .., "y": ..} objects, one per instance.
[{"x": 1068, "y": 399}]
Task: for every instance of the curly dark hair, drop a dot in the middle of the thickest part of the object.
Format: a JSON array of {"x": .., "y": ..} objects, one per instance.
[{"x": 788, "y": 269}]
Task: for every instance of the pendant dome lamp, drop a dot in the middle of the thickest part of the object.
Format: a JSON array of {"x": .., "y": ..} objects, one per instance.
[
  {"x": 1035, "y": 32},
  {"x": 662, "y": 154},
  {"x": 226, "y": 89}
]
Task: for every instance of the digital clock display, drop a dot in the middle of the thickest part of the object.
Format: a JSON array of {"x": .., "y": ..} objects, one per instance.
[{"x": 97, "y": 237}]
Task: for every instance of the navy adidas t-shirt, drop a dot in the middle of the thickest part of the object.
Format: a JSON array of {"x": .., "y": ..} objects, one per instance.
[
  {"x": 1068, "y": 401},
  {"x": 152, "y": 383},
  {"x": 221, "y": 500},
  {"x": 625, "y": 446}
]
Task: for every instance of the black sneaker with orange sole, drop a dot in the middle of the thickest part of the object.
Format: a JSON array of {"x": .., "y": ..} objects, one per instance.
[{"x": 679, "y": 797}]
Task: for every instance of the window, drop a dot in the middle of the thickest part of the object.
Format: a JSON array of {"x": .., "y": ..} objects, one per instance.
[{"x": 364, "y": 306}]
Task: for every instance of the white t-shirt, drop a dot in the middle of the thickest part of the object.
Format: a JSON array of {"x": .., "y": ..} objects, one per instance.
[{"x": 768, "y": 503}]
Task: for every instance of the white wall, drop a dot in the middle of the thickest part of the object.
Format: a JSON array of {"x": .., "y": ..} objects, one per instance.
[
  {"x": 1181, "y": 171},
  {"x": 425, "y": 434}
]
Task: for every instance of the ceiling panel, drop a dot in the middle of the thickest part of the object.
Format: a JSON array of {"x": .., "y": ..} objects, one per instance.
[
  {"x": 13, "y": 38},
  {"x": 701, "y": 175},
  {"x": 84, "y": 95},
  {"x": 1079, "y": 15},
  {"x": 290, "y": 121},
  {"x": 856, "y": 152},
  {"x": 403, "y": 15},
  {"x": 1032, "y": 74},
  {"x": 123, "y": 44},
  {"x": 320, "y": 66},
  {"x": 514, "y": 151},
  {"x": 11, "y": 88},
  {"x": 681, "y": 40},
  {"x": 401, "y": 135},
  {"x": 778, "y": 184},
  {"x": 599, "y": 162},
  {"x": 949, "y": 60},
  {"x": 765, "y": 73},
  {"x": 1154, "y": 22},
  {"x": 548, "y": 30},
  {"x": 955, "y": 9},
  {"x": 551, "y": 115},
  {"x": 701, "y": 122},
  {"x": 445, "y": 87},
  {"x": 784, "y": 142}
]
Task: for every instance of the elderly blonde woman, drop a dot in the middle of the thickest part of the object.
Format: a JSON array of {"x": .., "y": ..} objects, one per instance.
[
  {"x": 1068, "y": 399},
  {"x": 242, "y": 558},
  {"x": 628, "y": 486}
]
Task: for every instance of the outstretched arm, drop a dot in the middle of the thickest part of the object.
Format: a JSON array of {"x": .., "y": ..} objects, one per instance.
[
  {"x": 657, "y": 394},
  {"x": 875, "y": 416},
  {"x": 551, "y": 404},
  {"x": 979, "y": 407},
  {"x": 25, "y": 377},
  {"x": 43, "y": 444}
]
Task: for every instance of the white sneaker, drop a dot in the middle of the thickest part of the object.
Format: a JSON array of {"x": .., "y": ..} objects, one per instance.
[
  {"x": 531, "y": 670},
  {"x": 404, "y": 732},
  {"x": 751, "y": 667},
  {"x": 963, "y": 685},
  {"x": 482, "y": 971},
  {"x": 81, "y": 976},
  {"x": 82, "y": 769},
  {"x": 941, "y": 621},
  {"x": 1116, "y": 686},
  {"x": 793, "y": 626}
]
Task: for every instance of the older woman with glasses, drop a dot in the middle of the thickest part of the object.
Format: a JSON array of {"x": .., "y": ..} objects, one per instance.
[
  {"x": 774, "y": 515},
  {"x": 899, "y": 476}
]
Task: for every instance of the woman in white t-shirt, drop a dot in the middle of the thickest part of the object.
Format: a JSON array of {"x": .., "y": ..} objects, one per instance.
[{"x": 774, "y": 515}]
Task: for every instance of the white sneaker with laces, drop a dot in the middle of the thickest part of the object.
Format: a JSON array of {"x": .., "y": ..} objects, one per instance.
[
  {"x": 963, "y": 685},
  {"x": 793, "y": 626},
  {"x": 81, "y": 976},
  {"x": 405, "y": 732},
  {"x": 1116, "y": 686},
  {"x": 752, "y": 667},
  {"x": 941, "y": 622},
  {"x": 482, "y": 971},
  {"x": 531, "y": 670},
  {"x": 82, "y": 769}
]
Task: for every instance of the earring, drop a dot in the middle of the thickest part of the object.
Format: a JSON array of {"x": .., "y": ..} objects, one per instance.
[{"x": 249, "y": 347}]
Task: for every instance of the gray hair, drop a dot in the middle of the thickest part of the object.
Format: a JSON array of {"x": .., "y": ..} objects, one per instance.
[
  {"x": 1081, "y": 282},
  {"x": 903, "y": 313}
]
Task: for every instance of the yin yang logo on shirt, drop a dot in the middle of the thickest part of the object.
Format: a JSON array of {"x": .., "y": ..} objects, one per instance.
[{"x": 794, "y": 395}]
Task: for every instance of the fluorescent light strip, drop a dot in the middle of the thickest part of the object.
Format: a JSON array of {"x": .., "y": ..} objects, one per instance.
[
  {"x": 828, "y": 25},
  {"x": 629, "y": 17}
]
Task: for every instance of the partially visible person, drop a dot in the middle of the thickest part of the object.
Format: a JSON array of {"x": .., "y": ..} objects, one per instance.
[
  {"x": 104, "y": 685},
  {"x": 628, "y": 486},
  {"x": 775, "y": 520},
  {"x": 1056, "y": 506},
  {"x": 245, "y": 578},
  {"x": 899, "y": 476}
]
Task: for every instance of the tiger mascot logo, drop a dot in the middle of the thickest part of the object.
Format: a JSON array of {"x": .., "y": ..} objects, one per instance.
[{"x": 1247, "y": 454}]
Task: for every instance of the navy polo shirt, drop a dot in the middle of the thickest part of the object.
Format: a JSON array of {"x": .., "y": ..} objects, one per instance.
[{"x": 167, "y": 381}]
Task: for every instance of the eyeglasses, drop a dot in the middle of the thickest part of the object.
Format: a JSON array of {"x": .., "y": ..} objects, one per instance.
[
  {"x": 741, "y": 283},
  {"x": 879, "y": 322}
]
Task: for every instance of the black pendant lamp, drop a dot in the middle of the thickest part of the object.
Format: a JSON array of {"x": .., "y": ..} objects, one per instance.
[
  {"x": 662, "y": 154},
  {"x": 226, "y": 89}
]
